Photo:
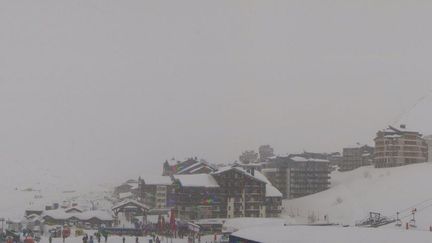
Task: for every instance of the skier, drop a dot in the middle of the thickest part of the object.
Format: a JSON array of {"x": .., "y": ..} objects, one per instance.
[
  {"x": 136, "y": 240},
  {"x": 124, "y": 239},
  {"x": 91, "y": 239}
]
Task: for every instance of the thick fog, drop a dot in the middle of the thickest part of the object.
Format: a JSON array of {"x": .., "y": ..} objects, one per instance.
[{"x": 98, "y": 90}]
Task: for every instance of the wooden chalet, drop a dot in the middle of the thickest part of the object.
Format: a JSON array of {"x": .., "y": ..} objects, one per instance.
[
  {"x": 242, "y": 192},
  {"x": 196, "y": 196}
]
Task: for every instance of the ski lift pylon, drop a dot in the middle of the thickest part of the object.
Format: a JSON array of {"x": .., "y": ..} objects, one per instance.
[{"x": 398, "y": 221}]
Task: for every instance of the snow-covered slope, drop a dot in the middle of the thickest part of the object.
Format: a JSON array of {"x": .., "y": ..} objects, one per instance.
[
  {"x": 31, "y": 187},
  {"x": 354, "y": 194}
]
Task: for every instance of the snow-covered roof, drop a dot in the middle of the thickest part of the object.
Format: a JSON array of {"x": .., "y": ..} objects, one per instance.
[
  {"x": 299, "y": 159},
  {"x": 71, "y": 209},
  {"x": 269, "y": 170},
  {"x": 62, "y": 215},
  {"x": 125, "y": 195},
  {"x": 197, "y": 180},
  {"x": 129, "y": 201},
  {"x": 241, "y": 170},
  {"x": 102, "y": 215},
  {"x": 157, "y": 180},
  {"x": 197, "y": 164},
  {"x": 271, "y": 191},
  {"x": 357, "y": 145},
  {"x": 200, "y": 167},
  {"x": 303, "y": 159}
]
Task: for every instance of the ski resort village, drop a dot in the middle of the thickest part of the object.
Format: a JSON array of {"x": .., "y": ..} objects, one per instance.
[{"x": 364, "y": 193}]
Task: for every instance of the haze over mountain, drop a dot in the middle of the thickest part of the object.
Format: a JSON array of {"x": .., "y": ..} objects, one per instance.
[{"x": 110, "y": 89}]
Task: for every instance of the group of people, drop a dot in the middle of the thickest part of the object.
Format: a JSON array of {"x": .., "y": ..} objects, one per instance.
[{"x": 87, "y": 239}]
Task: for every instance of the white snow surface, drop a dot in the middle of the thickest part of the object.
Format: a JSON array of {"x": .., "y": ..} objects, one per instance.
[
  {"x": 355, "y": 193},
  {"x": 234, "y": 224},
  {"x": 32, "y": 187},
  {"x": 331, "y": 234}
]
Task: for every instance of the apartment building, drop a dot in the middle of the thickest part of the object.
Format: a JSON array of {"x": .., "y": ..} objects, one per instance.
[
  {"x": 298, "y": 175},
  {"x": 399, "y": 146},
  {"x": 243, "y": 194},
  {"x": 156, "y": 191},
  {"x": 356, "y": 156},
  {"x": 227, "y": 193}
]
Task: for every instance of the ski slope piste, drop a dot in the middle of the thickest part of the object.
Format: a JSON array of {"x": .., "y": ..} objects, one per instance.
[{"x": 355, "y": 194}]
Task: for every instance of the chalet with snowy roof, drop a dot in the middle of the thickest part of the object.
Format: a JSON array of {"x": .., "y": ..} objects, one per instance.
[
  {"x": 130, "y": 206},
  {"x": 94, "y": 218},
  {"x": 243, "y": 193},
  {"x": 399, "y": 146},
  {"x": 298, "y": 175},
  {"x": 33, "y": 210},
  {"x": 130, "y": 210},
  {"x": 189, "y": 166},
  {"x": 73, "y": 210},
  {"x": 156, "y": 191},
  {"x": 196, "y": 196}
]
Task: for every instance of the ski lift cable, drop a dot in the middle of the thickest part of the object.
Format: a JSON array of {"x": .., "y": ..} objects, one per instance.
[
  {"x": 417, "y": 210},
  {"x": 415, "y": 205},
  {"x": 408, "y": 209},
  {"x": 403, "y": 114}
]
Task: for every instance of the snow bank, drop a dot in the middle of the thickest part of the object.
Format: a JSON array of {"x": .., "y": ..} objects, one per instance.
[{"x": 354, "y": 194}]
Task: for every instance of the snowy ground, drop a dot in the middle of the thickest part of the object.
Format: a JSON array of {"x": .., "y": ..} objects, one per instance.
[
  {"x": 354, "y": 194},
  {"x": 332, "y": 234},
  {"x": 129, "y": 239},
  {"x": 33, "y": 187}
]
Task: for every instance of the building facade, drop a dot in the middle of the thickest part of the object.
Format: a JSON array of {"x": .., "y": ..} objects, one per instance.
[
  {"x": 428, "y": 140},
  {"x": 398, "y": 146},
  {"x": 356, "y": 156},
  {"x": 156, "y": 191},
  {"x": 298, "y": 175},
  {"x": 243, "y": 194},
  {"x": 196, "y": 196},
  {"x": 229, "y": 192}
]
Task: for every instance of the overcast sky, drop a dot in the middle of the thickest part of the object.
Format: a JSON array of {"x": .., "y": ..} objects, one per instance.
[{"x": 116, "y": 87}]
